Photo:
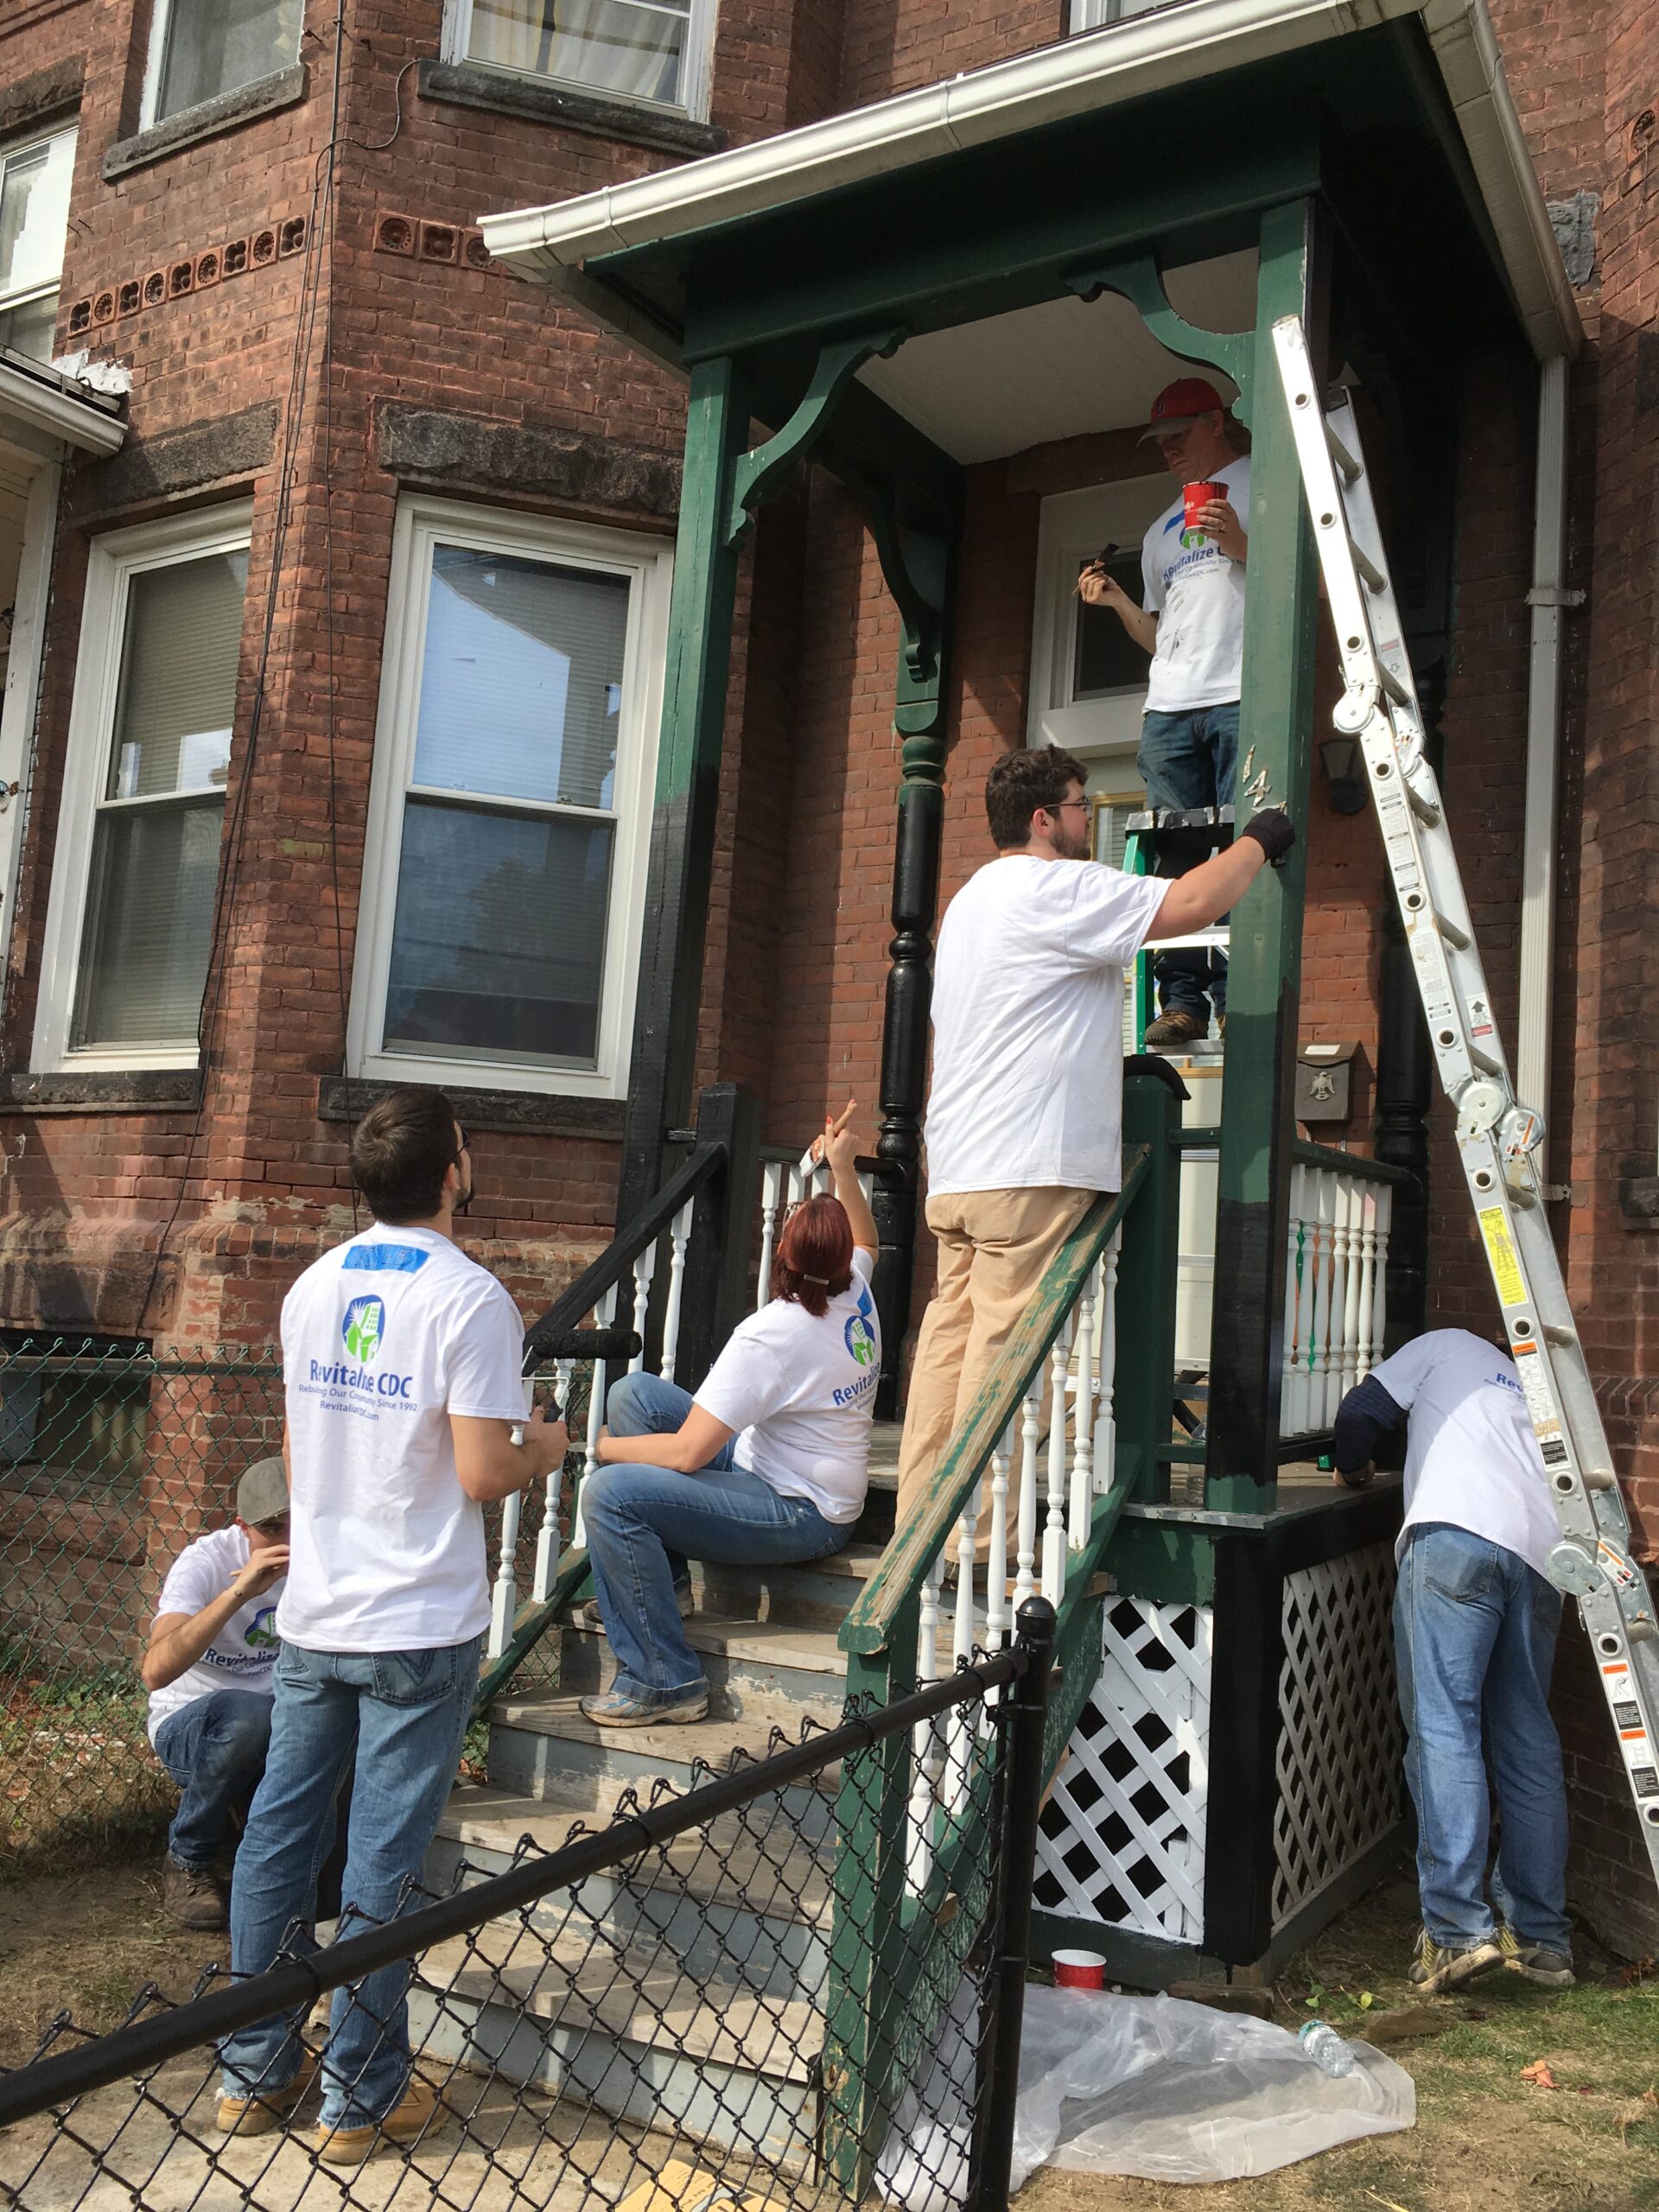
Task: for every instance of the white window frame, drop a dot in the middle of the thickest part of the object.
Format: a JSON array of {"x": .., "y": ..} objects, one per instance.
[
  {"x": 114, "y": 560},
  {"x": 699, "y": 62},
  {"x": 22, "y": 296},
  {"x": 1098, "y": 14},
  {"x": 648, "y": 563},
  {"x": 1071, "y": 527},
  {"x": 161, "y": 19}
]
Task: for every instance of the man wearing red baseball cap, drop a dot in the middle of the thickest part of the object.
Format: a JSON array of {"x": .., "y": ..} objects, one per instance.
[{"x": 1191, "y": 621}]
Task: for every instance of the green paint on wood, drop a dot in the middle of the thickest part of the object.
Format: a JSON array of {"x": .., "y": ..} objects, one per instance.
[
  {"x": 760, "y": 475},
  {"x": 1140, "y": 282},
  {"x": 1171, "y": 1562}
]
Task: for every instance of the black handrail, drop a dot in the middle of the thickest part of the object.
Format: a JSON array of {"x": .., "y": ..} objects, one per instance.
[{"x": 544, "y": 1338}]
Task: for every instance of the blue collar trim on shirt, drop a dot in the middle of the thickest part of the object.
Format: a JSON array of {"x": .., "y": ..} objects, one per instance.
[{"x": 385, "y": 1259}]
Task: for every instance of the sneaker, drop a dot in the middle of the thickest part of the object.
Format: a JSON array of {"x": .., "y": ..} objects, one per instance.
[
  {"x": 194, "y": 1896},
  {"x": 622, "y": 1709},
  {"x": 1435, "y": 1969},
  {"x": 1535, "y": 1961},
  {"x": 588, "y": 1615},
  {"x": 267, "y": 2109},
  {"x": 419, "y": 2109},
  {"x": 1175, "y": 1029}
]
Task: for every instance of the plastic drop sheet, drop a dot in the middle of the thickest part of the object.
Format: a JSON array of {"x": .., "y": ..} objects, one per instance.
[{"x": 1166, "y": 2090}]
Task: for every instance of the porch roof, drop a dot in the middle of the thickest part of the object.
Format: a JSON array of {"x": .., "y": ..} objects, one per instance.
[
  {"x": 1188, "y": 43},
  {"x": 38, "y": 404}
]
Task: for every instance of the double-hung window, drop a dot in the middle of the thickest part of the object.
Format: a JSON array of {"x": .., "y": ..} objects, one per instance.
[
  {"x": 34, "y": 179},
  {"x": 135, "y": 872},
  {"x": 1095, "y": 15},
  {"x": 498, "y": 936},
  {"x": 199, "y": 48},
  {"x": 652, "y": 50}
]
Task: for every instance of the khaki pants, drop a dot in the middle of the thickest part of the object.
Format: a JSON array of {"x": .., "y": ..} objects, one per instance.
[{"x": 994, "y": 1247}]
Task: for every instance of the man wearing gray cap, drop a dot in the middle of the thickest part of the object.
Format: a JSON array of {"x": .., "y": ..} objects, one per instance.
[{"x": 208, "y": 1667}]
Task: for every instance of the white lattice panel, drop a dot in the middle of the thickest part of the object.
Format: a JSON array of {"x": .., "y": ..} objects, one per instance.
[
  {"x": 1121, "y": 1839},
  {"x": 1340, "y": 1739}
]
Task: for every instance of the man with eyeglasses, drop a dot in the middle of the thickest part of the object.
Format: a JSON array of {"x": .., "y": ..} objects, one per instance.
[
  {"x": 1024, "y": 1116},
  {"x": 209, "y": 1667}
]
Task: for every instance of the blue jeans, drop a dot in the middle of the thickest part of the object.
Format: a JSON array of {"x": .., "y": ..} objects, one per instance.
[
  {"x": 1474, "y": 1637},
  {"x": 214, "y": 1748},
  {"x": 645, "y": 1524},
  {"x": 401, "y": 1715},
  {"x": 1190, "y": 761}
]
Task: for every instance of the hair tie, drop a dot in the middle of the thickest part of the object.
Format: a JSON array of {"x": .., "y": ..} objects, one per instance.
[{"x": 823, "y": 1280}]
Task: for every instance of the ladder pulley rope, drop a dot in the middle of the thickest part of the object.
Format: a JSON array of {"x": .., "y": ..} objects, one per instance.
[{"x": 1498, "y": 1137}]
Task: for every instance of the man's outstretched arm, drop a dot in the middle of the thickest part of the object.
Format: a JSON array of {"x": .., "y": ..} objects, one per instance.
[{"x": 1207, "y": 892}]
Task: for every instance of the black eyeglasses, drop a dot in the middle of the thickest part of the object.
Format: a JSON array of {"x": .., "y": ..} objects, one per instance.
[
  {"x": 1060, "y": 805},
  {"x": 466, "y": 1143}
]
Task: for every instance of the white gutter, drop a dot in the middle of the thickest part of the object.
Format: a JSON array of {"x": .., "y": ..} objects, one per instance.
[
  {"x": 1547, "y": 598},
  {"x": 41, "y": 401},
  {"x": 1172, "y": 46}
]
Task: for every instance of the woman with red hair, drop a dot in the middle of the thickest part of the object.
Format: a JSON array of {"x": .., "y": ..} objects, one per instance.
[{"x": 766, "y": 1466}]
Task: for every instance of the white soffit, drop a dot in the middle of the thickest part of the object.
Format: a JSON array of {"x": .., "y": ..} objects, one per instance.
[
  {"x": 1169, "y": 47},
  {"x": 1059, "y": 369},
  {"x": 39, "y": 405}
]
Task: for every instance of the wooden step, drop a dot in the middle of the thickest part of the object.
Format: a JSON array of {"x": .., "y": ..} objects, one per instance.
[{"x": 778, "y": 1662}]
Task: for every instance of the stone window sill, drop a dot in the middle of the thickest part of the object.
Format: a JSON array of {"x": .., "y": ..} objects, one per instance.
[
  {"x": 283, "y": 88},
  {"x": 122, "y": 1091},
  {"x": 503, "y": 91},
  {"x": 524, "y": 1113}
]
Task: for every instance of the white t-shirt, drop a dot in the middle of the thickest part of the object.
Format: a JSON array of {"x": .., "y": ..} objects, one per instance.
[
  {"x": 1028, "y": 1025},
  {"x": 799, "y": 1389},
  {"x": 1197, "y": 594},
  {"x": 243, "y": 1655},
  {"x": 1472, "y": 1458},
  {"x": 382, "y": 1341}
]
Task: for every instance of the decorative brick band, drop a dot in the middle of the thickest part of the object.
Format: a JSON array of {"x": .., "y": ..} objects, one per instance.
[
  {"x": 261, "y": 249},
  {"x": 416, "y": 239}
]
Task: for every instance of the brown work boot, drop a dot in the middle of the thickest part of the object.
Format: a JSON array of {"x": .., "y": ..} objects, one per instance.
[
  {"x": 267, "y": 2108},
  {"x": 193, "y": 1896},
  {"x": 1176, "y": 1029},
  {"x": 417, "y": 2111}
]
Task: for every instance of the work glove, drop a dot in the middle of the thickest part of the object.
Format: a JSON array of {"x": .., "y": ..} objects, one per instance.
[{"x": 1273, "y": 831}]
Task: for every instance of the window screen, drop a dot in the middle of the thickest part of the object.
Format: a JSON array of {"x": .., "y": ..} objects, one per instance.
[
  {"x": 211, "y": 47},
  {"x": 634, "y": 47},
  {"x": 1107, "y": 657}
]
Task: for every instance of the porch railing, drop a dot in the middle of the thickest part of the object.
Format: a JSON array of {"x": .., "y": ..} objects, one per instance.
[{"x": 1336, "y": 1271}]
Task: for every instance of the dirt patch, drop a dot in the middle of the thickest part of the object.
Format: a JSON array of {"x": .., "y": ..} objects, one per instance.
[{"x": 86, "y": 1943}]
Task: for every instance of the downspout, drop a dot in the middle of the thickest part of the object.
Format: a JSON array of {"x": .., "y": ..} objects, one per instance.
[{"x": 1547, "y": 599}]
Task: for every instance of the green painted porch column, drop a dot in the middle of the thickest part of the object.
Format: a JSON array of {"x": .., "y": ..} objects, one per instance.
[
  {"x": 1264, "y": 961},
  {"x": 670, "y": 988}
]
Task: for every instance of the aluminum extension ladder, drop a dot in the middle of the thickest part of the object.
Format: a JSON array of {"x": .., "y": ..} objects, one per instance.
[{"x": 1496, "y": 1135}]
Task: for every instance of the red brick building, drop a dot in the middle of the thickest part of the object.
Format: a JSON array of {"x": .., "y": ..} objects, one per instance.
[{"x": 253, "y": 645}]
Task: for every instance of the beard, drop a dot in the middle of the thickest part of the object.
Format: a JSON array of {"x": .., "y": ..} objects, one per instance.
[{"x": 465, "y": 1198}]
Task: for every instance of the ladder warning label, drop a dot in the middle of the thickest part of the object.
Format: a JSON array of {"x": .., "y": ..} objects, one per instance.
[
  {"x": 1500, "y": 1252},
  {"x": 1540, "y": 1407}
]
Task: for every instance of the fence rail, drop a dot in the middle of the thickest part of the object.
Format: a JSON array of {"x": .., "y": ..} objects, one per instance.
[{"x": 648, "y": 2014}]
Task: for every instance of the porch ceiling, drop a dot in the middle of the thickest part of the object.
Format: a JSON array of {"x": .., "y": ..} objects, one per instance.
[
  {"x": 1060, "y": 369},
  {"x": 646, "y": 256}
]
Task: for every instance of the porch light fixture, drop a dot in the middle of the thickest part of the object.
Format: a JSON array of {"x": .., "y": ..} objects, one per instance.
[{"x": 1345, "y": 771}]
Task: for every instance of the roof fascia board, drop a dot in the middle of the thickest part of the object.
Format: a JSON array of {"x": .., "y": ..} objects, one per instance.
[{"x": 51, "y": 411}]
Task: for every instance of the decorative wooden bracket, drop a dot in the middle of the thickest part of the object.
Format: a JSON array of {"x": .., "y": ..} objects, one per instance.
[
  {"x": 759, "y": 476},
  {"x": 1141, "y": 282},
  {"x": 913, "y": 564}
]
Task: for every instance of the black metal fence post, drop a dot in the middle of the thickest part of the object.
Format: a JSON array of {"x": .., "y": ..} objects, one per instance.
[{"x": 1022, "y": 1808}]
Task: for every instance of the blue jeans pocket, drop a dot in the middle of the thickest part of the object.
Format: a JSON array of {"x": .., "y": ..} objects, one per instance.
[
  {"x": 416, "y": 1677},
  {"x": 1460, "y": 1567}
]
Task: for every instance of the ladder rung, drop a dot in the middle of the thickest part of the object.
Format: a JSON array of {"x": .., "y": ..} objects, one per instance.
[
  {"x": 1424, "y": 809},
  {"x": 1368, "y": 567},
  {"x": 1451, "y": 932},
  {"x": 1341, "y": 455},
  {"x": 1399, "y": 692},
  {"x": 1599, "y": 1478},
  {"x": 1560, "y": 1332}
]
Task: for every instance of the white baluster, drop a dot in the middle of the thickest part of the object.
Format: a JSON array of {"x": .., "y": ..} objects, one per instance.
[
  {"x": 1338, "y": 1307},
  {"x": 1030, "y": 1422},
  {"x": 1083, "y": 1416},
  {"x": 772, "y": 1205},
  {"x": 679, "y": 1237},
  {"x": 1054, "y": 1526},
  {"x": 919, "y": 1855},
  {"x": 1365, "y": 1345},
  {"x": 1324, "y": 1232},
  {"x": 504, "y": 1602},
  {"x": 996, "y": 1569},
  {"x": 1351, "y": 1330},
  {"x": 604, "y": 1318},
  {"x": 547, "y": 1536},
  {"x": 644, "y": 1268},
  {"x": 1291, "y": 1422},
  {"x": 959, "y": 1732},
  {"x": 1106, "y": 1434},
  {"x": 1380, "y": 1288}
]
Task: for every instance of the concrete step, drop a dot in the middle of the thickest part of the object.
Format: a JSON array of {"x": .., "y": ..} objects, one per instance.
[
  {"x": 747, "y": 1661},
  {"x": 817, "y": 1595},
  {"x": 541, "y": 1746},
  {"x": 629, "y": 2025}
]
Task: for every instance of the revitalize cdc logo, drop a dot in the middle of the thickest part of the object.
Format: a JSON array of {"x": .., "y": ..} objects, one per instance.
[{"x": 364, "y": 1327}]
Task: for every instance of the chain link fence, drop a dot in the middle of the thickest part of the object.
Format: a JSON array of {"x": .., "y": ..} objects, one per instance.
[
  {"x": 738, "y": 1997},
  {"x": 112, "y": 1460}
]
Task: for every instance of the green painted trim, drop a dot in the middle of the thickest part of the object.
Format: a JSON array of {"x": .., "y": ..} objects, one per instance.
[
  {"x": 1348, "y": 1163},
  {"x": 1169, "y": 1562},
  {"x": 1141, "y": 282},
  {"x": 1143, "y": 1962},
  {"x": 868, "y": 1628},
  {"x": 760, "y": 475}
]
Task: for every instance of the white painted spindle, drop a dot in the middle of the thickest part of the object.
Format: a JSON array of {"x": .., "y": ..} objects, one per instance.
[
  {"x": 996, "y": 1570},
  {"x": 1054, "y": 1525},
  {"x": 919, "y": 1857},
  {"x": 1106, "y": 1433},
  {"x": 679, "y": 1237},
  {"x": 1031, "y": 1423},
  {"x": 772, "y": 1206},
  {"x": 1082, "y": 1415}
]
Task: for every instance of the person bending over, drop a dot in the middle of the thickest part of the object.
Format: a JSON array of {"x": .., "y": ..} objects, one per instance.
[{"x": 765, "y": 1466}]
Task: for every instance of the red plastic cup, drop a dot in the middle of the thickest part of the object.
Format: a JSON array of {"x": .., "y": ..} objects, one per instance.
[
  {"x": 1079, "y": 1970},
  {"x": 1195, "y": 497}
]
